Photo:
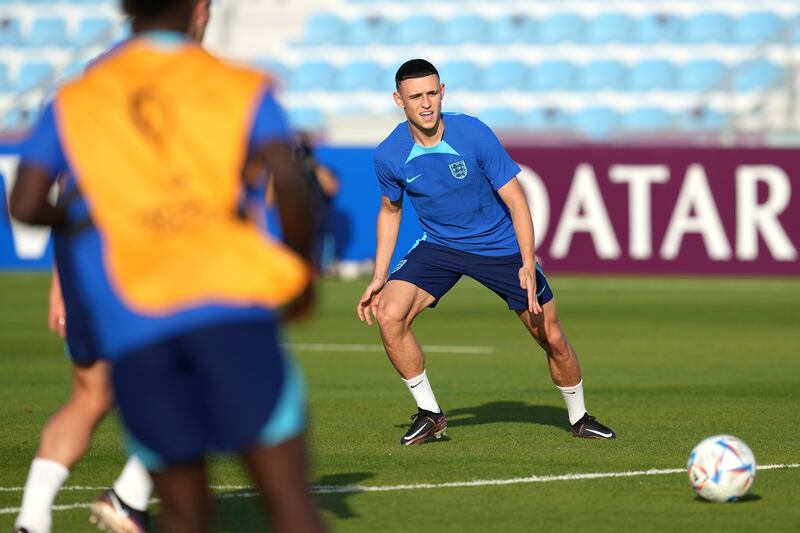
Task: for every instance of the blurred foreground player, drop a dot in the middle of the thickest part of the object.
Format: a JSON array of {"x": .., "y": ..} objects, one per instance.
[
  {"x": 182, "y": 290},
  {"x": 463, "y": 186}
]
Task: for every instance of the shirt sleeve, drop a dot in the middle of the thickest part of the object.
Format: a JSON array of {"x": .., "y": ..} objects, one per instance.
[
  {"x": 389, "y": 186},
  {"x": 43, "y": 147},
  {"x": 270, "y": 122},
  {"x": 493, "y": 158}
]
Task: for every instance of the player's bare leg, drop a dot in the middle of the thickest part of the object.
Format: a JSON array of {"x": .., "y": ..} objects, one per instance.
[
  {"x": 399, "y": 305},
  {"x": 185, "y": 503},
  {"x": 281, "y": 474},
  {"x": 565, "y": 370}
]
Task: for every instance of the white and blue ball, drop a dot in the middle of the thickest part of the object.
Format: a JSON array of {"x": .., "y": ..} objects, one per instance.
[{"x": 721, "y": 468}]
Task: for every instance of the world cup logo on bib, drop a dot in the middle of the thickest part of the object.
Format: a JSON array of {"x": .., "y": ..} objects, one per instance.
[{"x": 459, "y": 169}]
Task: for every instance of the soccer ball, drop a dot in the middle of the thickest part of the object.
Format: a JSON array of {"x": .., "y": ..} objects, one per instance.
[{"x": 721, "y": 468}]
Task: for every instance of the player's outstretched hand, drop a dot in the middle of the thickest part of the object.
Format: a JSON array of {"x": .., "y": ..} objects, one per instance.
[
  {"x": 56, "y": 313},
  {"x": 527, "y": 281},
  {"x": 369, "y": 301}
]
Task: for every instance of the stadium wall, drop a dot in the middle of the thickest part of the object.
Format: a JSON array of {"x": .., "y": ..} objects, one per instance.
[{"x": 610, "y": 209}]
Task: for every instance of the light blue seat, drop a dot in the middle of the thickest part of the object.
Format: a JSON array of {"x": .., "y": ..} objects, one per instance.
[
  {"x": 500, "y": 118},
  {"x": 17, "y": 119},
  {"x": 418, "y": 29},
  {"x": 465, "y": 29},
  {"x": 708, "y": 28},
  {"x": 795, "y": 31},
  {"x": 597, "y": 123},
  {"x": 603, "y": 75},
  {"x": 33, "y": 76},
  {"x": 93, "y": 31},
  {"x": 313, "y": 75},
  {"x": 544, "y": 119},
  {"x": 276, "y": 70},
  {"x": 757, "y": 75},
  {"x": 701, "y": 119},
  {"x": 505, "y": 75},
  {"x": 10, "y": 33},
  {"x": 761, "y": 27},
  {"x": 369, "y": 30},
  {"x": 652, "y": 74},
  {"x": 647, "y": 119},
  {"x": 360, "y": 76},
  {"x": 658, "y": 28},
  {"x": 560, "y": 28},
  {"x": 306, "y": 119},
  {"x": 609, "y": 28},
  {"x": 48, "y": 31},
  {"x": 324, "y": 28},
  {"x": 553, "y": 75},
  {"x": 702, "y": 75},
  {"x": 460, "y": 75},
  {"x": 512, "y": 29},
  {"x": 5, "y": 85}
]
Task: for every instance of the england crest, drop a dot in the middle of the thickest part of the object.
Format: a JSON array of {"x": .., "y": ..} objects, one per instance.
[{"x": 459, "y": 169}]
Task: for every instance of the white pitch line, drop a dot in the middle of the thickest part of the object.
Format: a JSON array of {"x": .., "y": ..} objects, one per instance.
[
  {"x": 354, "y": 489},
  {"x": 320, "y": 347}
]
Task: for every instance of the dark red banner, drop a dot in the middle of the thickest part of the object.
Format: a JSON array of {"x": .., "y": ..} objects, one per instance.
[{"x": 670, "y": 210}]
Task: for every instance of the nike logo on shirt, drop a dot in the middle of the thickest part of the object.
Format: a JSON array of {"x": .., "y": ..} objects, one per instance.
[{"x": 409, "y": 180}]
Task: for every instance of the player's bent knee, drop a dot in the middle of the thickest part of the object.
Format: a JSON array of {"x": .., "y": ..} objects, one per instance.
[{"x": 391, "y": 316}]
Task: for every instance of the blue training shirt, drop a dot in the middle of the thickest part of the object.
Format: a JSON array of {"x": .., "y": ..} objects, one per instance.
[{"x": 453, "y": 185}]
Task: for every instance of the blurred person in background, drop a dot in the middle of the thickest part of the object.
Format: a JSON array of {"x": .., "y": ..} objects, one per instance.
[
  {"x": 477, "y": 223},
  {"x": 182, "y": 292}
]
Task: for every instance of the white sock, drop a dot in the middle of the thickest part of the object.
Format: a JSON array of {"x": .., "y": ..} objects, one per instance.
[
  {"x": 573, "y": 397},
  {"x": 133, "y": 486},
  {"x": 420, "y": 389},
  {"x": 44, "y": 480}
]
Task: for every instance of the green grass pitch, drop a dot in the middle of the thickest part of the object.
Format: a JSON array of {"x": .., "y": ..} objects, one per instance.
[{"x": 666, "y": 362}]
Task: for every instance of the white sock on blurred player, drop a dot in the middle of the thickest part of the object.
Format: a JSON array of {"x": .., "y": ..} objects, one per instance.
[
  {"x": 420, "y": 389},
  {"x": 573, "y": 397},
  {"x": 44, "y": 480},
  {"x": 134, "y": 486}
]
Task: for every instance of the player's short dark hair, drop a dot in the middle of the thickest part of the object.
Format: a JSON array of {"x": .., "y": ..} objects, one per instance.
[
  {"x": 414, "y": 68},
  {"x": 150, "y": 8}
]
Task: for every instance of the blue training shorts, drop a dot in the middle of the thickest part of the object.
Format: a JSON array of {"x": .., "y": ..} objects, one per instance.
[
  {"x": 435, "y": 269},
  {"x": 224, "y": 387}
]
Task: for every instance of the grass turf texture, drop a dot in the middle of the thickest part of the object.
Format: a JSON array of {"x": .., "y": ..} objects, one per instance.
[{"x": 666, "y": 363}]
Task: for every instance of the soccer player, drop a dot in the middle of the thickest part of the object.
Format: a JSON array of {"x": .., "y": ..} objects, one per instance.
[
  {"x": 463, "y": 186},
  {"x": 181, "y": 290}
]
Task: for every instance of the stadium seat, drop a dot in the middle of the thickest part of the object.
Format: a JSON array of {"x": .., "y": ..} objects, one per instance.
[
  {"x": 553, "y": 75},
  {"x": 306, "y": 118},
  {"x": 10, "y": 34},
  {"x": 511, "y": 29},
  {"x": 369, "y": 30},
  {"x": 709, "y": 27},
  {"x": 652, "y": 74},
  {"x": 602, "y": 75},
  {"x": 47, "y": 32},
  {"x": 313, "y": 75},
  {"x": 93, "y": 31},
  {"x": 17, "y": 119},
  {"x": 460, "y": 75},
  {"x": 32, "y": 76},
  {"x": 560, "y": 28},
  {"x": 701, "y": 119},
  {"x": 702, "y": 75},
  {"x": 275, "y": 69},
  {"x": 646, "y": 119},
  {"x": 505, "y": 75},
  {"x": 324, "y": 28},
  {"x": 500, "y": 118},
  {"x": 464, "y": 29},
  {"x": 657, "y": 28},
  {"x": 757, "y": 75},
  {"x": 5, "y": 85},
  {"x": 417, "y": 29},
  {"x": 545, "y": 119},
  {"x": 609, "y": 28},
  {"x": 597, "y": 122},
  {"x": 360, "y": 76},
  {"x": 761, "y": 27}
]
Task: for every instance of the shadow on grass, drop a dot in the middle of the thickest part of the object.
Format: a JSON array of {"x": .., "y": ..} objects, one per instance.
[
  {"x": 508, "y": 411},
  {"x": 238, "y": 511},
  {"x": 747, "y": 498},
  {"x": 333, "y": 491}
]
